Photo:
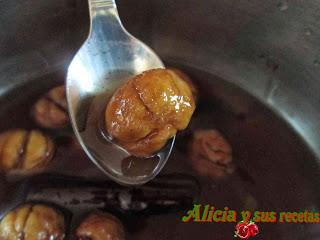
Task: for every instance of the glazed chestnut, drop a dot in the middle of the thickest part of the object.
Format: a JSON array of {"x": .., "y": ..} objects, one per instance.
[
  {"x": 211, "y": 154},
  {"x": 148, "y": 110},
  {"x": 25, "y": 150},
  {"x": 50, "y": 111},
  {"x": 100, "y": 226},
  {"x": 33, "y": 222},
  {"x": 187, "y": 79}
]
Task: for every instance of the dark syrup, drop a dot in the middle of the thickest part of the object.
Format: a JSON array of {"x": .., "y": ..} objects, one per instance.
[{"x": 267, "y": 150}]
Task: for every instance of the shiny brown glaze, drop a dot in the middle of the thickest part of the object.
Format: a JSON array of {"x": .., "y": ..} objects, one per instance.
[
  {"x": 33, "y": 222},
  {"x": 25, "y": 150},
  {"x": 100, "y": 226},
  {"x": 148, "y": 110},
  {"x": 187, "y": 79}
]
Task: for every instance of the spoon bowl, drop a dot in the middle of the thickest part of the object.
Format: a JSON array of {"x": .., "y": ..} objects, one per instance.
[{"x": 109, "y": 56}]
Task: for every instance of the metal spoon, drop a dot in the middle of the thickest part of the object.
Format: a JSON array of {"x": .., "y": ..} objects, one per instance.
[{"x": 108, "y": 57}]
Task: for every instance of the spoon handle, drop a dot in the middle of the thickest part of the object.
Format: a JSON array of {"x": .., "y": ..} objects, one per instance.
[
  {"x": 104, "y": 4},
  {"x": 104, "y": 18}
]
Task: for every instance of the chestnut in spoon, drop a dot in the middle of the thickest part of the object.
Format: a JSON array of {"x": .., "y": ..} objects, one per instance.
[{"x": 109, "y": 56}]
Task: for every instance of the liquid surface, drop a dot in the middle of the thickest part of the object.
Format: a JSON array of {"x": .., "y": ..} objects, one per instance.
[{"x": 275, "y": 171}]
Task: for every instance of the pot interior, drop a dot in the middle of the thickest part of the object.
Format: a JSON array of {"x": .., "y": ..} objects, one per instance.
[{"x": 271, "y": 159}]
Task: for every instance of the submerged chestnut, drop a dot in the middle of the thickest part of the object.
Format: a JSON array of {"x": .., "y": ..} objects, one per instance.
[
  {"x": 211, "y": 154},
  {"x": 25, "y": 150},
  {"x": 50, "y": 111},
  {"x": 148, "y": 110},
  {"x": 100, "y": 226},
  {"x": 33, "y": 222}
]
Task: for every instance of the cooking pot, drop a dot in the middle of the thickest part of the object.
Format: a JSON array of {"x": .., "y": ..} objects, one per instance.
[{"x": 255, "y": 62}]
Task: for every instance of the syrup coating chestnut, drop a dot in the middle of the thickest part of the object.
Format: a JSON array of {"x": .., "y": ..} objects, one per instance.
[
  {"x": 211, "y": 154},
  {"x": 50, "y": 111},
  {"x": 25, "y": 150},
  {"x": 148, "y": 110},
  {"x": 100, "y": 226},
  {"x": 33, "y": 222},
  {"x": 187, "y": 79}
]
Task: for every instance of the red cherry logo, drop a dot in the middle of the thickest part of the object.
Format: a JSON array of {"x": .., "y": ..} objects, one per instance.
[
  {"x": 242, "y": 230},
  {"x": 253, "y": 229},
  {"x": 246, "y": 230}
]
